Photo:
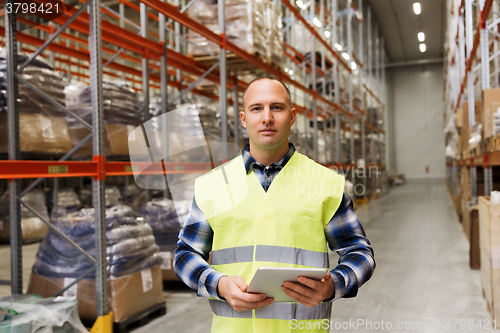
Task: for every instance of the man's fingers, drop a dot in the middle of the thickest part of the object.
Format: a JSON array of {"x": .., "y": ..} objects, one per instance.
[
  {"x": 313, "y": 284},
  {"x": 238, "y": 280},
  {"x": 241, "y": 305},
  {"x": 303, "y": 299},
  {"x": 299, "y": 288}
]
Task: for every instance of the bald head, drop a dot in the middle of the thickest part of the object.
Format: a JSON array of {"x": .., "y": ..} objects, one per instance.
[{"x": 269, "y": 77}]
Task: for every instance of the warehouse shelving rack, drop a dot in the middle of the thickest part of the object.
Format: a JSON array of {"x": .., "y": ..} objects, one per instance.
[
  {"x": 467, "y": 75},
  {"x": 132, "y": 48}
]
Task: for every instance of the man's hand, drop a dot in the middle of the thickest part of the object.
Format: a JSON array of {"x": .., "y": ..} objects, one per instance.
[
  {"x": 308, "y": 291},
  {"x": 233, "y": 289}
]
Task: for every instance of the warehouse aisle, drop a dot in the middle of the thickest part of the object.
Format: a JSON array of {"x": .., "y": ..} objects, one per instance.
[{"x": 422, "y": 272}]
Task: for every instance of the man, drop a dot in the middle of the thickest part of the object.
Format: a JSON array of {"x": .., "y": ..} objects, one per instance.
[{"x": 281, "y": 209}]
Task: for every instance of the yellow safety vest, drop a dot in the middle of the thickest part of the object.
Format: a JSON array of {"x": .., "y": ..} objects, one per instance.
[{"x": 283, "y": 227}]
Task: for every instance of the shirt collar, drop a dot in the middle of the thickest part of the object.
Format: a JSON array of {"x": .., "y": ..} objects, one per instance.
[{"x": 251, "y": 163}]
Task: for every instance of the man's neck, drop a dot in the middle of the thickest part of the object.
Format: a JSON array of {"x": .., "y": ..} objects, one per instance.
[{"x": 268, "y": 156}]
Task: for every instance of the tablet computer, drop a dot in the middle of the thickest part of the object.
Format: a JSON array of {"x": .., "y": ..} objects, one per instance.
[{"x": 268, "y": 280}]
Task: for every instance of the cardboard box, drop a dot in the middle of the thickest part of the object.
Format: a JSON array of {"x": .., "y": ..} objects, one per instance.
[
  {"x": 32, "y": 228},
  {"x": 465, "y": 131},
  {"x": 38, "y": 133},
  {"x": 490, "y": 96},
  {"x": 116, "y": 140},
  {"x": 129, "y": 295},
  {"x": 77, "y": 134},
  {"x": 489, "y": 238}
]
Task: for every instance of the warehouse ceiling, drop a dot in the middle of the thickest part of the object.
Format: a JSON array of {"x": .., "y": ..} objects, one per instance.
[{"x": 399, "y": 25}]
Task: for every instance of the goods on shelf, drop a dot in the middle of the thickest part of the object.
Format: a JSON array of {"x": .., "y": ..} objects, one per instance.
[
  {"x": 131, "y": 251},
  {"x": 42, "y": 126},
  {"x": 122, "y": 114},
  {"x": 463, "y": 123},
  {"x": 252, "y": 25},
  {"x": 31, "y": 313},
  {"x": 491, "y": 115},
  {"x": 32, "y": 228},
  {"x": 489, "y": 242},
  {"x": 111, "y": 193},
  {"x": 166, "y": 219}
]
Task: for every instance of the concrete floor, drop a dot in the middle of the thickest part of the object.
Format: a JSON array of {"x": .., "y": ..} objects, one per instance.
[{"x": 422, "y": 279}]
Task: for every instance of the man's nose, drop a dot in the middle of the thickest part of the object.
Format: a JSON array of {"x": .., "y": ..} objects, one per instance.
[{"x": 267, "y": 117}]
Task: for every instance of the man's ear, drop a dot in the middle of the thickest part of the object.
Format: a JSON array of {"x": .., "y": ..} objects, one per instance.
[
  {"x": 242, "y": 117},
  {"x": 294, "y": 114}
]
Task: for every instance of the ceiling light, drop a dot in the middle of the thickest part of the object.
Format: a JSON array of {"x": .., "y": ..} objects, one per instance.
[
  {"x": 346, "y": 56},
  {"x": 416, "y": 8},
  {"x": 423, "y": 48},
  {"x": 316, "y": 22},
  {"x": 353, "y": 66},
  {"x": 327, "y": 34},
  {"x": 286, "y": 70},
  {"x": 421, "y": 36},
  {"x": 338, "y": 47},
  {"x": 290, "y": 72}
]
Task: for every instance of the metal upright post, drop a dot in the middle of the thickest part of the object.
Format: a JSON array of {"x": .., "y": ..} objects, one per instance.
[
  {"x": 223, "y": 78},
  {"x": 236, "y": 115},
  {"x": 177, "y": 28},
  {"x": 485, "y": 84},
  {"x": 361, "y": 71},
  {"x": 370, "y": 47},
  {"x": 122, "y": 25},
  {"x": 335, "y": 40},
  {"x": 313, "y": 83},
  {"x": 349, "y": 75},
  {"x": 470, "y": 88},
  {"x": 16, "y": 249},
  {"x": 495, "y": 46},
  {"x": 98, "y": 183},
  {"x": 164, "y": 91},
  {"x": 145, "y": 80}
]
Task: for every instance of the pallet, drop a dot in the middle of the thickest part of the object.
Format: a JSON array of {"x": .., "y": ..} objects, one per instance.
[
  {"x": 141, "y": 318},
  {"x": 233, "y": 62},
  {"x": 494, "y": 143},
  {"x": 137, "y": 320}
]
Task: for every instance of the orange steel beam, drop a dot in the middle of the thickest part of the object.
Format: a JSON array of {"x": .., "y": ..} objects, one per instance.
[
  {"x": 357, "y": 60},
  {"x": 356, "y": 12},
  {"x": 24, "y": 38},
  {"x": 315, "y": 33},
  {"x": 483, "y": 17},
  {"x": 373, "y": 95},
  {"x": 176, "y": 59}
]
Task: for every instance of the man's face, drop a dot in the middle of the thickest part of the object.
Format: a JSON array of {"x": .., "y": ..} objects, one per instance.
[{"x": 267, "y": 115}]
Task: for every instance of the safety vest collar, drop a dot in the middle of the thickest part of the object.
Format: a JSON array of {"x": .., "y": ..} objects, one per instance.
[{"x": 277, "y": 310}]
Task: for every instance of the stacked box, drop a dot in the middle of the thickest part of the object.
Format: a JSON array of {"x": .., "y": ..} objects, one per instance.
[
  {"x": 274, "y": 35},
  {"x": 42, "y": 126},
  {"x": 132, "y": 261},
  {"x": 32, "y": 228},
  {"x": 245, "y": 26},
  {"x": 122, "y": 114},
  {"x": 489, "y": 239}
]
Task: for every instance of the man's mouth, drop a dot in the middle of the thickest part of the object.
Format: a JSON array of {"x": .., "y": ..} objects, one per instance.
[{"x": 267, "y": 131}]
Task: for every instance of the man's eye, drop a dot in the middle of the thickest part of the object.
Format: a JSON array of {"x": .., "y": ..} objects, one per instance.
[
  {"x": 277, "y": 107},
  {"x": 255, "y": 109}
]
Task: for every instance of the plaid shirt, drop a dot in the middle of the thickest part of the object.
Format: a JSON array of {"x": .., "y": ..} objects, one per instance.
[{"x": 344, "y": 234}]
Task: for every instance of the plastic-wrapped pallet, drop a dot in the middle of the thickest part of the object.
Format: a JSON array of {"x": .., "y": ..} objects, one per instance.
[
  {"x": 166, "y": 219},
  {"x": 31, "y": 313},
  {"x": 122, "y": 114},
  {"x": 132, "y": 257},
  {"x": 32, "y": 228},
  {"x": 42, "y": 126},
  {"x": 274, "y": 35},
  {"x": 245, "y": 25}
]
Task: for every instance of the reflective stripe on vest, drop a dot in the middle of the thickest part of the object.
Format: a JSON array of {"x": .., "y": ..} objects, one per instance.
[
  {"x": 270, "y": 253},
  {"x": 285, "y": 311}
]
